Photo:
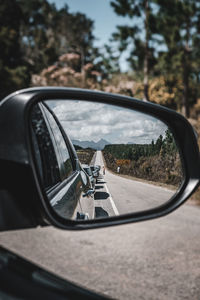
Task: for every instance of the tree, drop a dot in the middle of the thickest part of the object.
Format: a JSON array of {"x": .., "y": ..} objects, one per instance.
[
  {"x": 141, "y": 56},
  {"x": 12, "y": 66},
  {"x": 35, "y": 35},
  {"x": 107, "y": 62},
  {"x": 24, "y": 43},
  {"x": 38, "y": 36},
  {"x": 71, "y": 37},
  {"x": 159, "y": 144},
  {"x": 181, "y": 36},
  {"x": 76, "y": 35}
]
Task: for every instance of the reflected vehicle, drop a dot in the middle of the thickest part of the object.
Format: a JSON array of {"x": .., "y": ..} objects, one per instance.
[
  {"x": 89, "y": 172},
  {"x": 95, "y": 172},
  {"x": 59, "y": 168}
]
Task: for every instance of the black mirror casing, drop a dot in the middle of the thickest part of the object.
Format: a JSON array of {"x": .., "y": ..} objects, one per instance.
[{"x": 22, "y": 201}]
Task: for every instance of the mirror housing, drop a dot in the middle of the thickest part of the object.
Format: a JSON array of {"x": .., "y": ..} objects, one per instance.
[{"x": 22, "y": 196}]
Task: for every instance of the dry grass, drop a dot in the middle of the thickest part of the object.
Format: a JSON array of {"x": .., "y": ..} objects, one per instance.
[{"x": 153, "y": 169}]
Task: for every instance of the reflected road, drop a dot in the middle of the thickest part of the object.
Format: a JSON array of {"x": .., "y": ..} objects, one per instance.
[{"x": 118, "y": 195}]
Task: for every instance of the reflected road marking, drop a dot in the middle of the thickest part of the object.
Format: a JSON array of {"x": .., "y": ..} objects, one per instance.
[{"x": 112, "y": 202}]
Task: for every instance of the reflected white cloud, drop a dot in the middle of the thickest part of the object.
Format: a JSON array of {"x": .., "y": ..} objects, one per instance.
[{"x": 87, "y": 121}]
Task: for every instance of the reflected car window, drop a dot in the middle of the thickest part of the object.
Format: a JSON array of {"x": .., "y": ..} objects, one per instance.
[
  {"x": 66, "y": 166},
  {"x": 44, "y": 151}
]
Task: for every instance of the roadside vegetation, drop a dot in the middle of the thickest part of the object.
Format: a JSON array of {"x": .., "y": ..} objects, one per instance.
[
  {"x": 85, "y": 155},
  {"x": 158, "y": 161}
]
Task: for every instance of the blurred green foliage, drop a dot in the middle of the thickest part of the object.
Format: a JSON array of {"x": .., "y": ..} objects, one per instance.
[{"x": 33, "y": 34}]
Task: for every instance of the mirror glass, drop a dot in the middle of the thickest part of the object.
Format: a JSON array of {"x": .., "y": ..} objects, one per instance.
[{"x": 124, "y": 161}]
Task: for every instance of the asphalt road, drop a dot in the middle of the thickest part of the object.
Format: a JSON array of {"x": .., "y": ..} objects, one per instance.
[
  {"x": 158, "y": 259},
  {"x": 118, "y": 195}
]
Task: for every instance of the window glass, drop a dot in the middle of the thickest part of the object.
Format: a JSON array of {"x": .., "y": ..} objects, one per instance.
[
  {"x": 66, "y": 164},
  {"x": 44, "y": 151}
]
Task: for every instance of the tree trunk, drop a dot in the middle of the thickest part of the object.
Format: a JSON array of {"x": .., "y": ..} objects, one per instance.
[
  {"x": 186, "y": 71},
  {"x": 186, "y": 108},
  {"x": 146, "y": 79},
  {"x": 146, "y": 55},
  {"x": 82, "y": 66}
]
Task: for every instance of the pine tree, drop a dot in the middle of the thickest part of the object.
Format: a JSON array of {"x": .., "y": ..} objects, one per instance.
[
  {"x": 141, "y": 56},
  {"x": 178, "y": 23}
]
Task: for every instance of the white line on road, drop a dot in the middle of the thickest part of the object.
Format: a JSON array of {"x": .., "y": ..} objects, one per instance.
[
  {"x": 112, "y": 202},
  {"x": 99, "y": 161}
]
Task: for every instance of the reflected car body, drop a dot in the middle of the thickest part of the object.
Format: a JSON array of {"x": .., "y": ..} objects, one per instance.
[
  {"x": 89, "y": 172},
  {"x": 64, "y": 180},
  {"x": 95, "y": 171}
]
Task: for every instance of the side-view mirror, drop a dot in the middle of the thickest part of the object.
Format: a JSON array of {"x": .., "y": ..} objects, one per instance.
[
  {"x": 82, "y": 159},
  {"x": 89, "y": 193}
]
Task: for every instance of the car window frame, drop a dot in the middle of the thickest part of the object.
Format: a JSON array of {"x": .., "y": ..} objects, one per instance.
[
  {"x": 57, "y": 150},
  {"x": 53, "y": 190},
  {"x": 40, "y": 164}
]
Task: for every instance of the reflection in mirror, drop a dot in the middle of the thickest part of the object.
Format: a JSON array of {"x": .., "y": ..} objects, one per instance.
[{"x": 129, "y": 161}]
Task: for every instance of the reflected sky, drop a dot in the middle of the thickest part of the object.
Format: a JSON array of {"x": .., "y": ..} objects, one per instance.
[{"x": 86, "y": 121}]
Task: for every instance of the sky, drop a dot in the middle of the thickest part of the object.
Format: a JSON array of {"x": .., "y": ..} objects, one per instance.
[
  {"x": 86, "y": 121},
  {"x": 105, "y": 20}
]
